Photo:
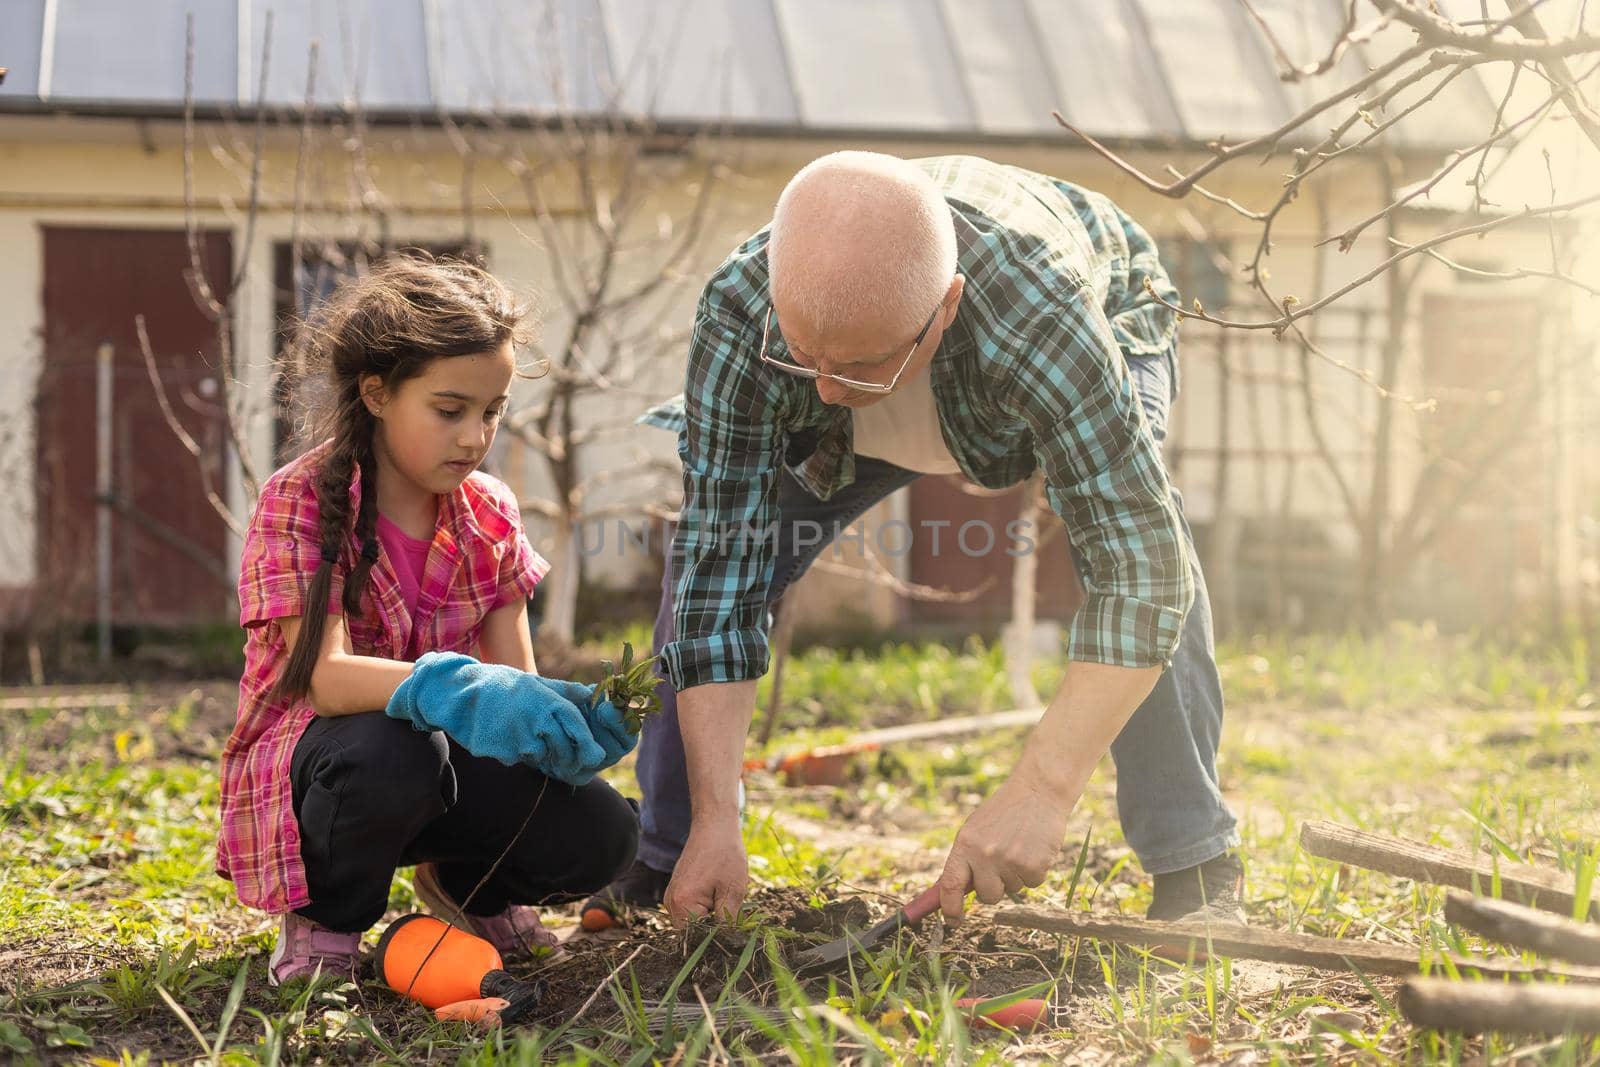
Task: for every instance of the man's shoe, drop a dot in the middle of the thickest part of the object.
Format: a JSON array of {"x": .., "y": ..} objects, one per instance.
[
  {"x": 637, "y": 887},
  {"x": 514, "y": 932},
  {"x": 304, "y": 947},
  {"x": 1209, "y": 892}
]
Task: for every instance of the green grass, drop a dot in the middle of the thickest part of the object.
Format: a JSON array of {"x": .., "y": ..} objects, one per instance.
[
  {"x": 118, "y": 945},
  {"x": 1411, "y": 666},
  {"x": 1408, "y": 667}
]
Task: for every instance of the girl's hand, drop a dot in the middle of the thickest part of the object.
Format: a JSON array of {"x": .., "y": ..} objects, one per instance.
[
  {"x": 500, "y": 712},
  {"x": 605, "y": 720}
]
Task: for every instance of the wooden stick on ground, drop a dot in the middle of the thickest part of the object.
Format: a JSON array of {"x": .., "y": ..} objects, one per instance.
[
  {"x": 67, "y": 701},
  {"x": 1477, "y": 1007},
  {"x": 1513, "y": 924},
  {"x": 871, "y": 740},
  {"x": 1521, "y": 882},
  {"x": 1568, "y": 721},
  {"x": 1249, "y": 942},
  {"x": 601, "y": 988},
  {"x": 953, "y": 727}
]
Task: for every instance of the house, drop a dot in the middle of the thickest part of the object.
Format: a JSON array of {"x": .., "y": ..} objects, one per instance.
[{"x": 374, "y": 124}]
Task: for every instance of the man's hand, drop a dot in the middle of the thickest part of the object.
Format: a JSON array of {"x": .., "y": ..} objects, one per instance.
[
  {"x": 1008, "y": 843},
  {"x": 1012, "y": 839},
  {"x": 712, "y": 874}
]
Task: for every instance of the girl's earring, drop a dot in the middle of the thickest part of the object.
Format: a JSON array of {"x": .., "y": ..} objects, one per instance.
[{"x": 373, "y": 396}]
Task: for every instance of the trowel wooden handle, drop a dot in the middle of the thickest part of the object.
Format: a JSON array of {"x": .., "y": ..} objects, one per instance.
[
  {"x": 484, "y": 1012},
  {"x": 1022, "y": 1015},
  {"x": 925, "y": 904}
]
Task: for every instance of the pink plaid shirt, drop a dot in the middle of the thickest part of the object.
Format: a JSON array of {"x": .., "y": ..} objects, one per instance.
[{"x": 480, "y": 560}]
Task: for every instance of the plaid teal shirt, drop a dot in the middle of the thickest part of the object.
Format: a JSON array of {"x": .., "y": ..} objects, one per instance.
[{"x": 1031, "y": 375}]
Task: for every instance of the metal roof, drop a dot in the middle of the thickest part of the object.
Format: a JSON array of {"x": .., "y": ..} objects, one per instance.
[{"x": 1124, "y": 70}]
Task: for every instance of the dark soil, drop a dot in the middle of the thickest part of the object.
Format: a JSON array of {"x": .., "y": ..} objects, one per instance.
[
  {"x": 660, "y": 952},
  {"x": 64, "y": 726},
  {"x": 993, "y": 961}
]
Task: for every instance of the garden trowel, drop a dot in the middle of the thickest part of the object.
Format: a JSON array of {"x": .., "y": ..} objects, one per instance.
[{"x": 834, "y": 953}]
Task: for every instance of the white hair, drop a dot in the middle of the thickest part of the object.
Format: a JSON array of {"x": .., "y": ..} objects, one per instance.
[{"x": 857, "y": 234}]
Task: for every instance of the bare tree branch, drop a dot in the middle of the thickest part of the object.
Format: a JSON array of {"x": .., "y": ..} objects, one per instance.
[
  {"x": 209, "y": 564},
  {"x": 1436, "y": 30},
  {"x": 186, "y": 439},
  {"x": 297, "y": 208},
  {"x": 1292, "y": 312},
  {"x": 877, "y": 574},
  {"x": 1347, "y": 238},
  {"x": 1348, "y": 37},
  {"x": 1223, "y": 155},
  {"x": 1506, "y": 275}
]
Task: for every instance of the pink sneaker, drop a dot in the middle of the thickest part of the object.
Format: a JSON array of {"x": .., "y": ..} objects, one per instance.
[
  {"x": 516, "y": 931},
  {"x": 304, "y": 946}
]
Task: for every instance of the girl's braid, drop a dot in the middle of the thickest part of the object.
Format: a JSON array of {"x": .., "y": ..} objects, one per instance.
[
  {"x": 332, "y": 487},
  {"x": 366, "y": 527}
]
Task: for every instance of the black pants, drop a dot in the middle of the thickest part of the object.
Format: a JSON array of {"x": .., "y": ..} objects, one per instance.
[{"x": 372, "y": 794}]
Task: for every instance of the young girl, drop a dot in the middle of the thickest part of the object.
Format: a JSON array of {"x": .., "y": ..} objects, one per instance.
[{"x": 376, "y": 567}]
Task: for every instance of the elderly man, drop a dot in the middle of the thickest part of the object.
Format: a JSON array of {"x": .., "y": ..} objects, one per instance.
[{"x": 939, "y": 316}]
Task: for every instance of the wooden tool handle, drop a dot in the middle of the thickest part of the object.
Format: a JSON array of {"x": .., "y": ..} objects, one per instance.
[
  {"x": 925, "y": 904},
  {"x": 485, "y": 1011},
  {"x": 1022, "y": 1015}
]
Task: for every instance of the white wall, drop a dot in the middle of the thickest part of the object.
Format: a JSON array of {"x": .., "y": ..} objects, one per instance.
[
  {"x": 20, "y": 309},
  {"x": 114, "y": 173}
]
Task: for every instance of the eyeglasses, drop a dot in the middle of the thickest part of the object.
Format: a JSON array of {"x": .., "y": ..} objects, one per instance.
[{"x": 859, "y": 386}]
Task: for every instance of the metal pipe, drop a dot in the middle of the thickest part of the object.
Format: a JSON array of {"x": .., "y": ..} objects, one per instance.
[{"x": 103, "y": 483}]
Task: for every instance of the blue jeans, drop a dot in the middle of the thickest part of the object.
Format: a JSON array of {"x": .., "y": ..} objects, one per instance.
[{"x": 1172, "y": 811}]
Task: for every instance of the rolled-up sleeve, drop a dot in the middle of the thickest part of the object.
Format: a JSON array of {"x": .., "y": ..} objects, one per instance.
[
  {"x": 282, "y": 551},
  {"x": 521, "y": 568},
  {"x": 723, "y": 551},
  {"x": 1105, "y": 479}
]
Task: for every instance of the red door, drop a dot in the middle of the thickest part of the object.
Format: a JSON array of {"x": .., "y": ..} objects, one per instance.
[
  {"x": 168, "y": 544},
  {"x": 948, "y": 557}
]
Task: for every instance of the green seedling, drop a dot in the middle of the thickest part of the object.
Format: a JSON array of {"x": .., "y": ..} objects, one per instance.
[{"x": 631, "y": 688}]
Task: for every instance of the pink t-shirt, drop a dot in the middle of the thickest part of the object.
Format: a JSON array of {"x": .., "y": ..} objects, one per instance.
[{"x": 408, "y": 556}]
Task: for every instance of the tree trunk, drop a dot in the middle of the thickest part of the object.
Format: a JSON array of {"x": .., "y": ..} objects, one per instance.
[
  {"x": 1224, "y": 541},
  {"x": 1018, "y": 639},
  {"x": 1372, "y": 571},
  {"x": 782, "y": 637},
  {"x": 560, "y": 619},
  {"x": 560, "y": 589}
]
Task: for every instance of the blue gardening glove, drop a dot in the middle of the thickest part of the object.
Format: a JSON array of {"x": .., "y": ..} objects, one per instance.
[
  {"x": 605, "y": 719},
  {"x": 499, "y": 712}
]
